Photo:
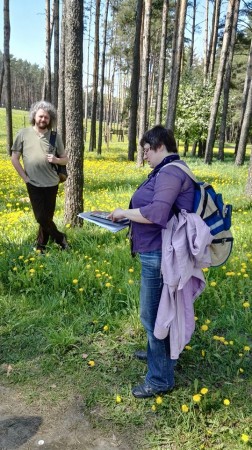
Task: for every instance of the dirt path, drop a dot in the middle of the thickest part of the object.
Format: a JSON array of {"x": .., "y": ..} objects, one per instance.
[{"x": 63, "y": 427}]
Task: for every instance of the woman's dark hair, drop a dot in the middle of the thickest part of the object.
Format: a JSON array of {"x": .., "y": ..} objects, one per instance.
[{"x": 158, "y": 136}]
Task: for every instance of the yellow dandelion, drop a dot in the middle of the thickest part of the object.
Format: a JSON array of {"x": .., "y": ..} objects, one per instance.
[
  {"x": 188, "y": 347},
  {"x": 205, "y": 269},
  {"x": 195, "y": 318},
  {"x": 207, "y": 321},
  {"x": 231, "y": 342},
  {"x": 105, "y": 328},
  {"x": 203, "y": 353},
  {"x": 213, "y": 283},
  {"x": 241, "y": 370},
  {"x": 246, "y": 348},
  {"x": 226, "y": 402},
  {"x": 91, "y": 363},
  {"x": 108, "y": 285},
  {"x": 32, "y": 271},
  {"x": 204, "y": 391},
  {"x": 68, "y": 225},
  {"x": 118, "y": 399},
  {"x": 130, "y": 281},
  {"x": 153, "y": 408},
  {"x": 81, "y": 289},
  {"x": 75, "y": 281},
  {"x": 131, "y": 270},
  {"x": 197, "y": 398},
  {"x": 245, "y": 437},
  {"x": 184, "y": 408},
  {"x": 204, "y": 327},
  {"x": 15, "y": 269},
  {"x": 246, "y": 305},
  {"x": 159, "y": 400}
]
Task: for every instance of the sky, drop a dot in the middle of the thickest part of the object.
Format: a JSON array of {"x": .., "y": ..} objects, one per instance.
[{"x": 27, "y": 18}]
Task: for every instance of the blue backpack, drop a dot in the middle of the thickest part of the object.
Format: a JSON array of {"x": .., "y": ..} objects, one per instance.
[{"x": 216, "y": 214}]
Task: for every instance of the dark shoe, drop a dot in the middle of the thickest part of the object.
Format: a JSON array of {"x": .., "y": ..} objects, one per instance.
[
  {"x": 141, "y": 355},
  {"x": 146, "y": 391},
  {"x": 64, "y": 244}
]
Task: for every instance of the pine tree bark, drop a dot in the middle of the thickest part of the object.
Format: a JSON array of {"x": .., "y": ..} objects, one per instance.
[
  {"x": 92, "y": 142},
  {"x": 248, "y": 189},
  {"x": 102, "y": 77},
  {"x": 214, "y": 38},
  {"x": 226, "y": 86},
  {"x": 161, "y": 71},
  {"x": 144, "y": 78},
  {"x": 245, "y": 129},
  {"x": 56, "y": 53},
  {"x": 46, "y": 94},
  {"x": 178, "y": 44},
  {"x": 219, "y": 82},
  {"x": 134, "y": 85},
  {"x": 244, "y": 100},
  {"x": 7, "y": 72},
  {"x": 74, "y": 110},
  {"x": 194, "y": 5},
  {"x": 206, "y": 40},
  {"x": 61, "y": 87}
]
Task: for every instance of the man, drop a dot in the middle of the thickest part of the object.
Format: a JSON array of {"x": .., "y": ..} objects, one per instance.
[{"x": 38, "y": 170}]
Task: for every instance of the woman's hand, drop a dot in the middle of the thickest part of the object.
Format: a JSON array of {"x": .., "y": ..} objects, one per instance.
[{"x": 117, "y": 214}]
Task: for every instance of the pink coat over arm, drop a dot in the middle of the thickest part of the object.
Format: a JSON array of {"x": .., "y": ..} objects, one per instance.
[{"x": 185, "y": 251}]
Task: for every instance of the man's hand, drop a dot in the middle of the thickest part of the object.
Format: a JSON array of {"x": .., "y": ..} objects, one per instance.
[{"x": 51, "y": 158}]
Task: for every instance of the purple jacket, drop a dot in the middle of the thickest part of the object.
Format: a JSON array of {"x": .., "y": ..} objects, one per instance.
[{"x": 155, "y": 198}]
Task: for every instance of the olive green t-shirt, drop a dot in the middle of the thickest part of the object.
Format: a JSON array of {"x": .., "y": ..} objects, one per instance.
[{"x": 34, "y": 150}]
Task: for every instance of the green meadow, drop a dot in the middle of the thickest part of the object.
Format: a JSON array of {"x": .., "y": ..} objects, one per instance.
[{"x": 69, "y": 321}]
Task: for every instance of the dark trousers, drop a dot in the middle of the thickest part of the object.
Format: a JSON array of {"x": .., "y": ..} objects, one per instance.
[{"x": 43, "y": 201}]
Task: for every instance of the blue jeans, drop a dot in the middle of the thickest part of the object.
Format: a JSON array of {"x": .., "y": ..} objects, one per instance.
[{"x": 160, "y": 375}]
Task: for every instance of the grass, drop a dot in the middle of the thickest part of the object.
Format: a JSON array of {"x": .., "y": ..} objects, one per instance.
[{"x": 70, "y": 320}]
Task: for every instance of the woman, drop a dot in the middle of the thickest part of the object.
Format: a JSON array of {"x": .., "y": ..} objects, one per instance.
[{"x": 166, "y": 190}]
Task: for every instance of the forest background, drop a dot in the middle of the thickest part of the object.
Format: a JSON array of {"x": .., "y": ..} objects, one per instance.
[{"x": 143, "y": 70}]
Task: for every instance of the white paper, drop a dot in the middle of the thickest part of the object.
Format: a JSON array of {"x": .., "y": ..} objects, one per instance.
[{"x": 109, "y": 225}]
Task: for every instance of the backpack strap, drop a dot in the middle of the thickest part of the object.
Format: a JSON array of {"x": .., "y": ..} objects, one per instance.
[
  {"x": 53, "y": 138},
  {"x": 185, "y": 169}
]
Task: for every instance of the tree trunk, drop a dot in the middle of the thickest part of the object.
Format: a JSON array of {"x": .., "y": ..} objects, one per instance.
[
  {"x": 87, "y": 73},
  {"x": 219, "y": 82},
  {"x": 56, "y": 52},
  {"x": 7, "y": 73},
  {"x": 248, "y": 189},
  {"x": 1, "y": 80},
  {"x": 214, "y": 37},
  {"x": 46, "y": 95},
  {"x": 144, "y": 78},
  {"x": 206, "y": 40},
  {"x": 134, "y": 85},
  {"x": 161, "y": 71},
  {"x": 226, "y": 87},
  {"x": 92, "y": 142},
  {"x": 244, "y": 96},
  {"x": 178, "y": 43},
  {"x": 194, "y": 5},
  {"x": 102, "y": 77},
  {"x": 74, "y": 110},
  {"x": 245, "y": 129},
  {"x": 61, "y": 88}
]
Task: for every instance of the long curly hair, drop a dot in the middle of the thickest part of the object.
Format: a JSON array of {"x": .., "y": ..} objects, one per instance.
[{"x": 46, "y": 106}]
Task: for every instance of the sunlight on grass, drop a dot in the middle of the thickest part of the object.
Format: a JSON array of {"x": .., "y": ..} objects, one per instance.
[{"x": 72, "y": 318}]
